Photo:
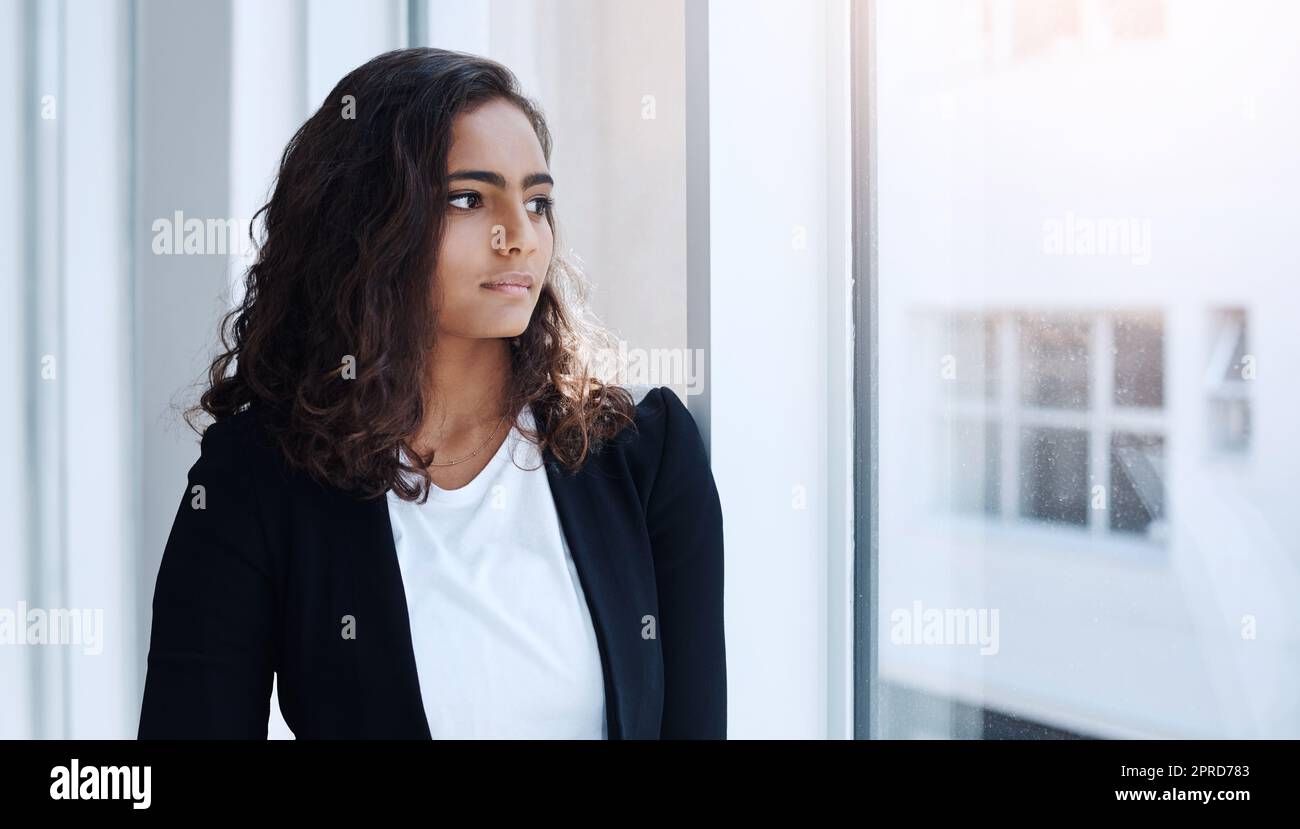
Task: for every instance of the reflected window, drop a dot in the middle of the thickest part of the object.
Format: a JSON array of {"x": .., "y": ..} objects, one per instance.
[
  {"x": 970, "y": 357},
  {"x": 1074, "y": 438},
  {"x": 1137, "y": 482},
  {"x": 1112, "y": 479},
  {"x": 1054, "y": 475},
  {"x": 1230, "y": 369},
  {"x": 972, "y": 472},
  {"x": 1139, "y": 355},
  {"x": 1054, "y": 361}
]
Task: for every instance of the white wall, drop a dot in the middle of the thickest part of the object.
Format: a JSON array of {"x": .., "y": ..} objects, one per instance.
[{"x": 778, "y": 285}]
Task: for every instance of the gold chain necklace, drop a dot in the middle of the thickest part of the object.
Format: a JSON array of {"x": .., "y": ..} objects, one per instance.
[{"x": 476, "y": 451}]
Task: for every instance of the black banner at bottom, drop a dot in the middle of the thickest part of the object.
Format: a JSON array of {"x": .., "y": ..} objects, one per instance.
[{"x": 331, "y": 778}]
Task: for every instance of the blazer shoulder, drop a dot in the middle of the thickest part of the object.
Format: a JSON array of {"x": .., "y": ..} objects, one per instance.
[
  {"x": 239, "y": 445},
  {"x": 666, "y": 434}
]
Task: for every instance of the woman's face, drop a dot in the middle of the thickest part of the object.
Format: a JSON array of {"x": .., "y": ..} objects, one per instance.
[{"x": 496, "y": 228}]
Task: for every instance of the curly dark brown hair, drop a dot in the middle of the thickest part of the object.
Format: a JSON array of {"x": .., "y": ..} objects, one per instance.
[{"x": 351, "y": 235}]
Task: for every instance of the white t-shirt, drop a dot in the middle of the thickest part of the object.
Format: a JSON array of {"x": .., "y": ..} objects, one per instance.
[{"x": 503, "y": 637}]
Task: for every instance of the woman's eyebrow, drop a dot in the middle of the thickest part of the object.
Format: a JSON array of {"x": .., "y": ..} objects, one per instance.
[{"x": 498, "y": 180}]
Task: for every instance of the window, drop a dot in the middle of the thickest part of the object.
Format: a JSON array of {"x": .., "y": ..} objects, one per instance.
[
  {"x": 1137, "y": 482},
  {"x": 1075, "y": 448},
  {"x": 1229, "y": 370},
  {"x": 1074, "y": 382}
]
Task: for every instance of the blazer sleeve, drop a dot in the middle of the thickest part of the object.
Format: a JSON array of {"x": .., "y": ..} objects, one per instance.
[
  {"x": 684, "y": 518},
  {"x": 210, "y": 662}
]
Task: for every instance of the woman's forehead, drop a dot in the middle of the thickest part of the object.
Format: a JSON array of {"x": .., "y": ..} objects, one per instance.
[{"x": 496, "y": 136}]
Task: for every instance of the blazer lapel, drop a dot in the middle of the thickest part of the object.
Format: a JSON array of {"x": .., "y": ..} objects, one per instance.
[
  {"x": 388, "y": 688},
  {"x": 610, "y": 595}
]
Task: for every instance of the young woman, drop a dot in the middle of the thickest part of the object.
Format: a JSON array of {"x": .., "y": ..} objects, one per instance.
[{"x": 416, "y": 507}]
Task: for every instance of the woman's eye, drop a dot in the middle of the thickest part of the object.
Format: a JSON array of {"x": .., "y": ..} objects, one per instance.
[
  {"x": 544, "y": 204},
  {"x": 460, "y": 196}
]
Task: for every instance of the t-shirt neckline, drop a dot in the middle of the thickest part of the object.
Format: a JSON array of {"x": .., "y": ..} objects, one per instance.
[{"x": 473, "y": 491}]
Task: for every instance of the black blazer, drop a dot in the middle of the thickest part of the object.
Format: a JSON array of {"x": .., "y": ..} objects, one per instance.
[{"x": 257, "y": 582}]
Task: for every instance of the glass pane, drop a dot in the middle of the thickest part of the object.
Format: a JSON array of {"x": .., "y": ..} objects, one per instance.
[
  {"x": 1232, "y": 341},
  {"x": 971, "y": 471},
  {"x": 1054, "y": 475},
  {"x": 1054, "y": 361},
  {"x": 1139, "y": 353},
  {"x": 970, "y": 360},
  {"x": 1229, "y": 424},
  {"x": 1137, "y": 484},
  {"x": 1106, "y": 191}
]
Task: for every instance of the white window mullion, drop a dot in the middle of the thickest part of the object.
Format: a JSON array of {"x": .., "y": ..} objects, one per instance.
[
  {"x": 47, "y": 348},
  {"x": 1101, "y": 402},
  {"x": 16, "y": 543},
  {"x": 342, "y": 35},
  {"x": 102, "y": 685},
  {"x": 1009, "y": 403}
]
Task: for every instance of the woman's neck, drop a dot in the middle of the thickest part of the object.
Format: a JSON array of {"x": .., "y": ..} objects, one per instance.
[{"x": 468, "y": 380}]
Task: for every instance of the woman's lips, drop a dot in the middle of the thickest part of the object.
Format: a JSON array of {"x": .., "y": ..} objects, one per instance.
[{"x": 509, "y": 290}]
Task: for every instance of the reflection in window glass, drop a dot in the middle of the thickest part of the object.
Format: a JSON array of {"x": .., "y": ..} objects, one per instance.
[
  {"x": 1054, "y": 463},
  {"x": 1054, "y": 361},
  {"x": 1136, "y": 477},
  {"x": 1230, "y": 424},
  {"x": 1112, "y": 473},
  {"x": 1230, "y": 372},
  {"x": 973, "y": 481},
  {"x": 971, "y": 359},
  {"x": 1054, "y": 475},
  {"x": 1139, "y": 360}
]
